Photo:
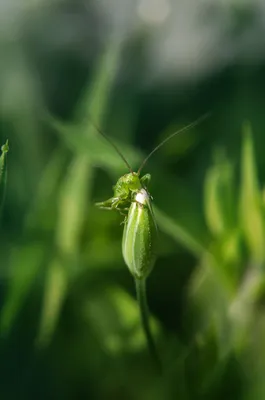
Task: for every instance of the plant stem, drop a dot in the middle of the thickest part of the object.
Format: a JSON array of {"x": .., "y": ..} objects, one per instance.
[
  {"x": 141, "y": 297},
  {"x": 3, "y": 174}
]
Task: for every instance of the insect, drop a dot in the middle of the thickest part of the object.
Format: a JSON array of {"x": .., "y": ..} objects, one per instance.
[
  {"x": 139, "y": 243},
  {"x": 132, "y": 199}
]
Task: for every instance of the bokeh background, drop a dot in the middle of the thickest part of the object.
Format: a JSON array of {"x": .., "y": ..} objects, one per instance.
[{"x": 140, "y": 70}]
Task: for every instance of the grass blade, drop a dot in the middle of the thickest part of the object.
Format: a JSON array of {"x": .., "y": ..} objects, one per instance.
[{"x": 3, "y": 174}]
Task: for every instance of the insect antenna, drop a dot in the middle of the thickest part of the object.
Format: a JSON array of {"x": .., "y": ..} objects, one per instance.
[
  {"x": 112, "y": 144},
  {"x": 191, "y": 125}
]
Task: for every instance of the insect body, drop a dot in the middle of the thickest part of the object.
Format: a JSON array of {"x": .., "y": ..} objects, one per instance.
[
  {"x": 124, "y": 189},
  {"x": 132, "y": 199}
]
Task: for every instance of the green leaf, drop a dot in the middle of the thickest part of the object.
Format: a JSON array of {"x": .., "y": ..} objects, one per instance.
[
  {"x": 41, "y": 214},
  {"x": 242, "y": 310},
  {"x": 25, "y": 262},
  {"x": 231, "y": 250},
  {"x": 94, "y": 100},
  {"x": 210, "y": 294},
  {"x": 55, "y": 289},
  {"x": 251, "y": 215},
  {"x": 73, "y": 205},
  {"x": 74, "y": 198},
  {"x": 115, "y": 318},
  {"x": 180, "y": 233},
  {"x": 219, "y": 198},
  {"x": 81, "y": 135}
]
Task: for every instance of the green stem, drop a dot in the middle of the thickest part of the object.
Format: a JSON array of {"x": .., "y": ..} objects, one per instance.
[
  {"x": 141, "y": 297},
  {"x": 3, "y": 174}
]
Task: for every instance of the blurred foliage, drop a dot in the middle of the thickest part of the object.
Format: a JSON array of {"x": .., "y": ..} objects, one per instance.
[{"x": 69, "y": 320}]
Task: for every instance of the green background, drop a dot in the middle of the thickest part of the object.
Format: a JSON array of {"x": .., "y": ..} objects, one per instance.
[{"x": 69, "y": 321}]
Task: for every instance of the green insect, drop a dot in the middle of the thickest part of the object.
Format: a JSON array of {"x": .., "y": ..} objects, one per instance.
[
  {"x": 132, "y": 199},
  {"x": 140, "y": 235}
]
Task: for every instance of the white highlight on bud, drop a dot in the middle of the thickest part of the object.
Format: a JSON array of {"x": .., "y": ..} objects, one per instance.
[{"x": 142, "y": 197}]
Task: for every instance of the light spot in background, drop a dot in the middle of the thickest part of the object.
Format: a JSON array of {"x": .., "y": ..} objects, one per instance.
[{"x": 153, "y": 11}]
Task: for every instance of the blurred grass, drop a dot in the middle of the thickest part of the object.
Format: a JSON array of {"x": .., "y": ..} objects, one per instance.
[{"x": 68, "y": 308}]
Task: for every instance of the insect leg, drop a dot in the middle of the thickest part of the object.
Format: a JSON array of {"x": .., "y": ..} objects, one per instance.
[
  {"x": 109, "y": 204},
  {"x": 145, "y": 180}
]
